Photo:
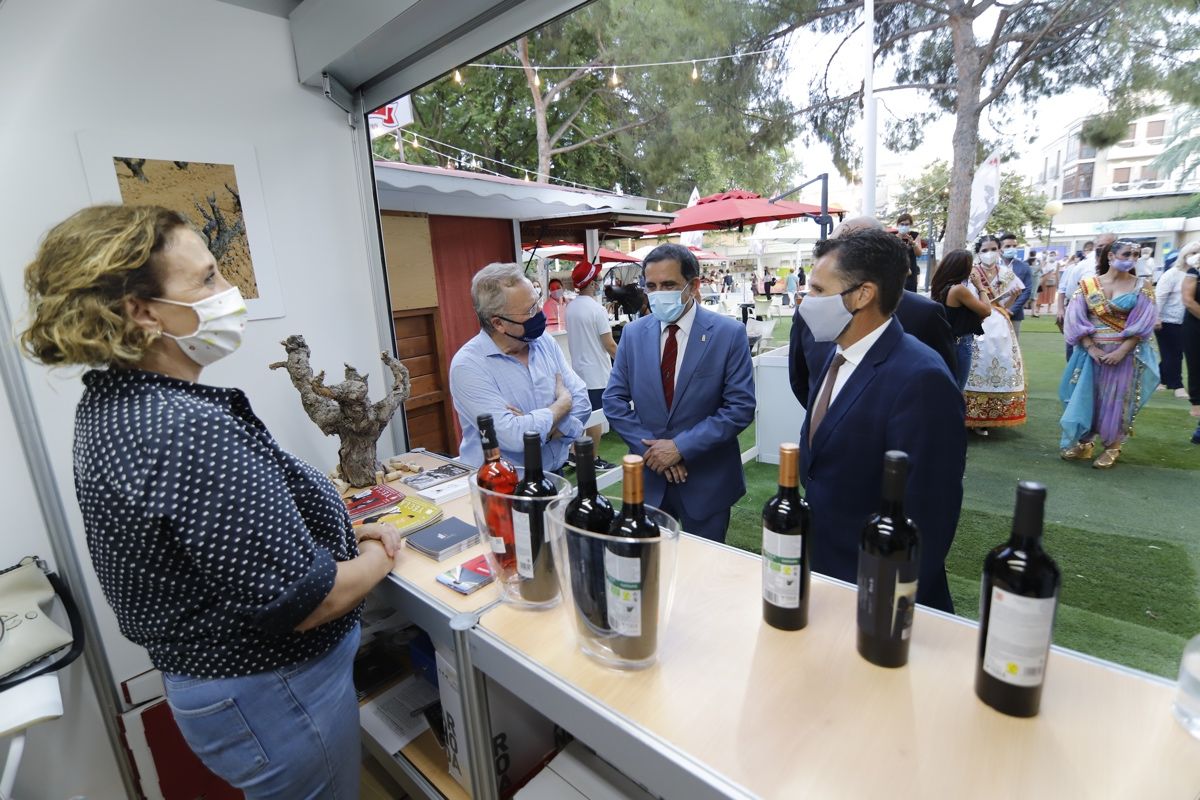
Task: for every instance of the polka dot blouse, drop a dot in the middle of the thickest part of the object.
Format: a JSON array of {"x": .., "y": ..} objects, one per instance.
[{"x": 211, "y": 543}]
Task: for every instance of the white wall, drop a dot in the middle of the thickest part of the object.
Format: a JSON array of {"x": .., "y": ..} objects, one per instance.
[
  {"x": 177, "y": 68},
  {"x": 80, "y": 731}
]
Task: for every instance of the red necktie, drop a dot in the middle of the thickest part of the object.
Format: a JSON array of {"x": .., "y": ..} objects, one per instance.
[{"x": 667, "y": 367}]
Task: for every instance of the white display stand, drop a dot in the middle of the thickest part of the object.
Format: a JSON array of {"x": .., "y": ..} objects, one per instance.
[{"x": 779, "y": 415}]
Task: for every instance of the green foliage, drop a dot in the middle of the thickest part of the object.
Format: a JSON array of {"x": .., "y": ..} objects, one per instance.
[
  {"x": 927, "y": 197},
  {"x": 658, "y": 132},
  {"x": 1189, "y": 208},
  {"x": 1183, "y": 150}
]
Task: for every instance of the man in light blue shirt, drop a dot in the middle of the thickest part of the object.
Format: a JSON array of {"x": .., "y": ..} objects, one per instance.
[{"x": 513, "y": 372}]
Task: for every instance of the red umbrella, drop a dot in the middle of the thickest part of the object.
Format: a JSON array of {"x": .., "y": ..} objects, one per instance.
[
  {"x": 575, "y": 252},
  {"x": 733, "y": 209},
  {"x": 706, "y": 255}
]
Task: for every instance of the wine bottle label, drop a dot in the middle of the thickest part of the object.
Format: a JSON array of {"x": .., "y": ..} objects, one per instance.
[
  {"x": 887, "y": 595},
  {"x": 781, "y": 568},
  {"x": 624, "y": 578},
  {"x": 1018, "y": 637},
  {"x": 524, "y": 545},
  {"x": 497, "y": 544}
]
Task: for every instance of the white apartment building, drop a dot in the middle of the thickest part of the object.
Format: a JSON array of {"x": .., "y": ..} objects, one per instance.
[{"x": 1074, "y": 171}]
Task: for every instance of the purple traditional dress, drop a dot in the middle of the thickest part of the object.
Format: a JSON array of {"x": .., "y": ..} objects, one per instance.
[{"x": 1101, "y": 400}]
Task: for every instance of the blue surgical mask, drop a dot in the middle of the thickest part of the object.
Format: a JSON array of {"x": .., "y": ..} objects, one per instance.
[
  {"x": 534, "y": 327},
  {"x": 903, "y": 228},
  {"x": 1122, "y": 264},
  {"x": 666, "y": 306},
  {"x": 826, "y": 316},
  {"x": 1010, "y": 253}
]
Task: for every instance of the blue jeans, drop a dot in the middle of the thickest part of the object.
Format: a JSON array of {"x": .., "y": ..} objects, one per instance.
[
  {"x": 962, "y": 349},
  {"x": 289, "y": 733}
]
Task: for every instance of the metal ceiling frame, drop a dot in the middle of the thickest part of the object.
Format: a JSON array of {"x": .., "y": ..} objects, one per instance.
[{"x": 348, "y": 45}]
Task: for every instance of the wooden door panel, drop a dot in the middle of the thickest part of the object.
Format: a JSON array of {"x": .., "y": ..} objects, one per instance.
[{"x": 428, "y": 410}]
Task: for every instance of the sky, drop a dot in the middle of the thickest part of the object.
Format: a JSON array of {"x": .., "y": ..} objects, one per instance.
[{"x": 807, "y": 55}]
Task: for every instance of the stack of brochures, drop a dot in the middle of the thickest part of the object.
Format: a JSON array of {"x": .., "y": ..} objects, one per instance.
[{"x": 444, "y": 539}]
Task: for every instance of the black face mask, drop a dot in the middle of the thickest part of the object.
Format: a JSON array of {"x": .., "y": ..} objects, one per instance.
[{"x": 534, "y": 327}]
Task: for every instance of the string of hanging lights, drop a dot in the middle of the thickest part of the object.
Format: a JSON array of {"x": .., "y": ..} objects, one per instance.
[{"x": 615, "y": 70}]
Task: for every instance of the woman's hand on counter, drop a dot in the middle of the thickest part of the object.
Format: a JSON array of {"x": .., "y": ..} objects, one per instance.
[
  {"x": 383, "y": 533},
  {"x": 355, "y": 579}
]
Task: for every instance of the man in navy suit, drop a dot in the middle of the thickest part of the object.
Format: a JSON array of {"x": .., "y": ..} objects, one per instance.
[
  {"x": 921, "y": 317},
  {"x": 879, "y": 390},
  {"x": 681, "y": 390},
  {"x": 1008, "y": 251}
]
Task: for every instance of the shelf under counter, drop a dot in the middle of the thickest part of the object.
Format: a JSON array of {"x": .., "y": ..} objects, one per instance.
[
  {"x": 421, "y": 768},
  {"x": 736, "y": 708}
]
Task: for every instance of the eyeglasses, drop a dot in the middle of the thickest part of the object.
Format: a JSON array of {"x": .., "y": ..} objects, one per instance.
[{"x": 533, "y": 309}]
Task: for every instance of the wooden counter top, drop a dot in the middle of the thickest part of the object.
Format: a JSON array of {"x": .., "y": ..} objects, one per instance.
[
  {"x": 801, "y": 714},
  {"x": 421, "y": 572}
]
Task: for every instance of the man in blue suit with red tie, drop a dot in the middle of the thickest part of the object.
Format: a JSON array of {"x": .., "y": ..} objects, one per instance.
[
  {"x": 681, "y": 390},
  {"x": 879, "y": 390}
]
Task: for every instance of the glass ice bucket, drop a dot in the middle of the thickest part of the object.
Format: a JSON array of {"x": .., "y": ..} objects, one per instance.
[
  {"x": 514, "y": 531},
  {"x": 618, "y": 590}
]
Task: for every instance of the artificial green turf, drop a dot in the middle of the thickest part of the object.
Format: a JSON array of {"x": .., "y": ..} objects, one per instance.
[{"x": 1127, "y": 539}]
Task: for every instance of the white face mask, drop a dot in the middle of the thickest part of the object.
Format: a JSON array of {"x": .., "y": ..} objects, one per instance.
[
  {"x": 222, "y": 321},
  {"x": 556, "y": 294},
  {"x": 989, "y": 258},
  {"x": 826, "y": 316}
]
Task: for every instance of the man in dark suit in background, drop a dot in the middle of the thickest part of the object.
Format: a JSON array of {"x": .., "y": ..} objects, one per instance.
[
  {"x": 879, "y": 390},
  {"x": 1008, "y": 251},
  {"x": 921, "y": 318}
]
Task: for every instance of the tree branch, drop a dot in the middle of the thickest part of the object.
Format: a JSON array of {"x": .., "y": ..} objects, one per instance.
[
  {"x": 562, "y": 129},
  {"x": 599, "y": 137},
  {"x": 1022, "y": 57},
  {"x": 566, "y": 82}
]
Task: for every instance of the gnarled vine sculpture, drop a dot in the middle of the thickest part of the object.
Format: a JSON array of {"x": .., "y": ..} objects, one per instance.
[{"x": 344, "y": 409}]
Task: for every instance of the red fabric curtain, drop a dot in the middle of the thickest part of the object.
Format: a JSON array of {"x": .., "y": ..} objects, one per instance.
[{"x": 461, "y": 247}]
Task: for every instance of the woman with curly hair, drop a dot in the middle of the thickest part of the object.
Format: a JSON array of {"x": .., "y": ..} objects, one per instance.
[
  {"x": 230, "y": 560},
  {"x": 1112, "y": 371}
]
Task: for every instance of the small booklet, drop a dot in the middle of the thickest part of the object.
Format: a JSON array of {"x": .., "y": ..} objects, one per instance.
[
  {"x": 467, "y": 577},
  {"x": 411, "y": 515},
  {"x": 444, "y": 539},
  {"x": 362, "y": 503}
]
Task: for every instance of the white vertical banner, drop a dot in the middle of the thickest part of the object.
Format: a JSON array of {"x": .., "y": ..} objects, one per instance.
[
  {"x": 692, "y": 238},
  {"x": 985, "y": 194}
]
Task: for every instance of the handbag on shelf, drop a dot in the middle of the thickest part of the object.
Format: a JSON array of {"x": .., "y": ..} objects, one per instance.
[{"x": 28, "y": 635}]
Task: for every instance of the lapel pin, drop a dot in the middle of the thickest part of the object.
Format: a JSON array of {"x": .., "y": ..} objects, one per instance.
[{"x": 704, "y": 337}]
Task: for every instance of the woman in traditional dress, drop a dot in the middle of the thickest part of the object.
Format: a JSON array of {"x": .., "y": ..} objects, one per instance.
[
  {"x": 995, "y": 390},
  {"x": 1113, "y": 370}
]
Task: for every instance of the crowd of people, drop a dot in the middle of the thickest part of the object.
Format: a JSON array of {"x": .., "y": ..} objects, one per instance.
[{"x": 1111, "y": 301}]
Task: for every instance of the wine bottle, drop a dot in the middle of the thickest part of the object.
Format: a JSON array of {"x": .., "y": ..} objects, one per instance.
[
  {"x": 590, "y": 511},
  {"x": 1018, "y": 600},
  {"x": 534, "y": 562},
  {"x": 497, "y": 475},
  {"x": 631, "y": 571},
  {"x": 888, "y": 566},
  {"x": 786, "y": 523}
]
